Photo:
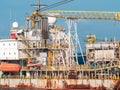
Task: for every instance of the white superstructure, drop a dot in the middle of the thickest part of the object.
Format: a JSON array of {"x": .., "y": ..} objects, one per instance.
[
  {"x": 28, "y": 44},
  {"x": 102, "y": 51},
  {"x": 9, "y": 49}
]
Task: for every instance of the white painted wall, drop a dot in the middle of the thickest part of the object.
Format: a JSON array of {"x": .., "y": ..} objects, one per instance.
[
  {"x": 8, "y": 43},
  {"x": 8, "y": 49}
]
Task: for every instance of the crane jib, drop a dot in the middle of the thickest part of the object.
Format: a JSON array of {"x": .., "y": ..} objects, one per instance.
[{"x": 100, "y": 15}]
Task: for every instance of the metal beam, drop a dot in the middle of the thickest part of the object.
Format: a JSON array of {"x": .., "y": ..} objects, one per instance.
[{"x": 100, "y": 15}]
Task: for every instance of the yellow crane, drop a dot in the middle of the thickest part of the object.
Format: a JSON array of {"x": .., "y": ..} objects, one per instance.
[
  {"x": 100, "y": 15},
  {"x": 69, "y": 14},
  {"x": 97, "y": 15},
  {"x": 91, "y": 38}
]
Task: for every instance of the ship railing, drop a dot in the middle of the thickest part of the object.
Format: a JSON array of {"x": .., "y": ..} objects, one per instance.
[
  {"x": 11, "y": 77},
  {"x": 98, "y": 76},
  {"x": 57, "y": 68},
  {"x": 53, "y": 77},
  {"x": 115, "y": 77},
  {"x": 85, "y": 67}
]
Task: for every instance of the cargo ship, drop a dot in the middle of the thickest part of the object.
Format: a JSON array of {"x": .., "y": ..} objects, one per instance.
[{"x": 44, "y": 56}]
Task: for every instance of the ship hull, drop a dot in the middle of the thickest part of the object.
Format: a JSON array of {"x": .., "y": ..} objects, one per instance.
[{"x": 58, "y": 84}]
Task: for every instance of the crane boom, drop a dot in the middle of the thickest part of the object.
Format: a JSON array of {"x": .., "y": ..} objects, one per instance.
[{"x": 101, "y": 15}]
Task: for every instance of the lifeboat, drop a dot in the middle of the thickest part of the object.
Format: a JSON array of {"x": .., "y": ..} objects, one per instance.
[
  {"x": 34, "y": 64},
  {"x": 9, "y": 67}
]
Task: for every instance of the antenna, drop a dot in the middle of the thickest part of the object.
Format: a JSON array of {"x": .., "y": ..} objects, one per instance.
[
  {"x": 37, "y": 5},
  {"x": 15, "y": 16},
  {"x": 10, "y": 17}
]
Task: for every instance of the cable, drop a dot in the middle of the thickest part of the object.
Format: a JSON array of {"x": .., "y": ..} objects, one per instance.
[{"x": 55, "y": 4}]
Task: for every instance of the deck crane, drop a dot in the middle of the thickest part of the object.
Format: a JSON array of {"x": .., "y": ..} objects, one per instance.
[
  {"x": 100, "y": 15},
  {"x": 74, "y": 15}
]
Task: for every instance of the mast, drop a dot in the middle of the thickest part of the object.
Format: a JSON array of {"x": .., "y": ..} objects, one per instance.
[{"x": 38, "y": 5}]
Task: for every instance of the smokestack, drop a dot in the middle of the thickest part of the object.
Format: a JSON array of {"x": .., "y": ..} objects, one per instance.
[{"x": 45, "y": 28}]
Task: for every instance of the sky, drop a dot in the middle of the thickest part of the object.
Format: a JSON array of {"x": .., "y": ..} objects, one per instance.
[{"x": 17, "y": 10}]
